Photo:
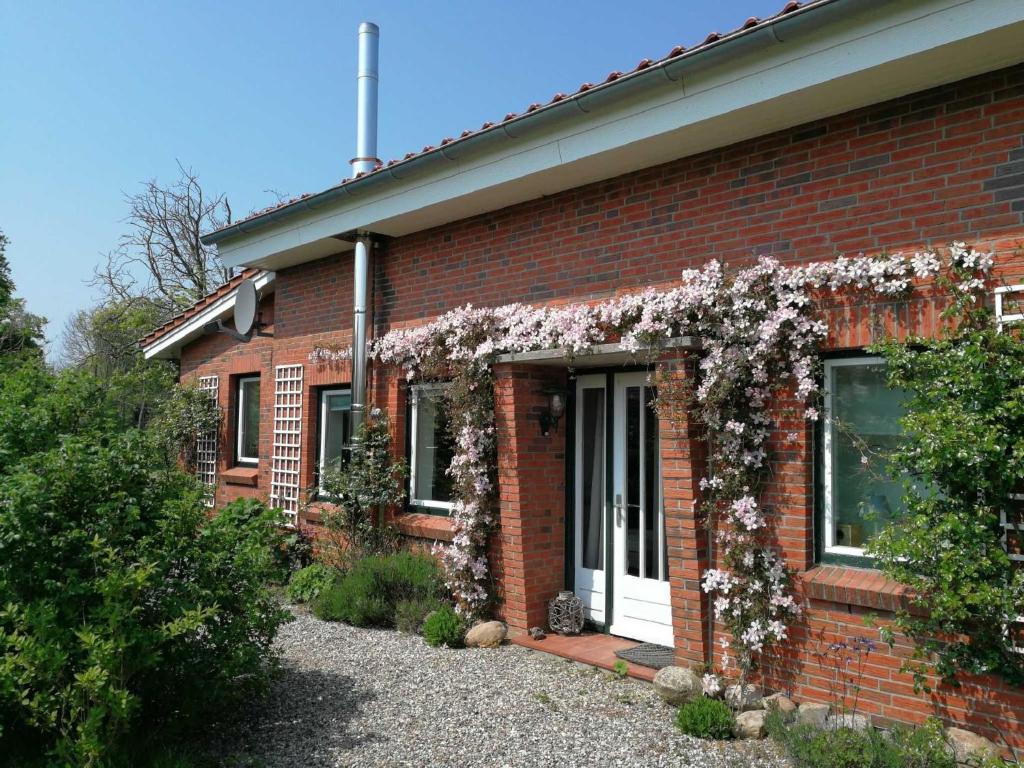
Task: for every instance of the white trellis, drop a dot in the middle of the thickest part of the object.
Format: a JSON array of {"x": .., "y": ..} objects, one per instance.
[
  {"x": 206, "y": 444},
  {"x": 1008, "y": 307},
  {"x": 287, "y": 450}
]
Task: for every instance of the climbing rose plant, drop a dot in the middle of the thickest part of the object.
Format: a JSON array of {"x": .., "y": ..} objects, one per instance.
[{"x": 759, "y": 333}]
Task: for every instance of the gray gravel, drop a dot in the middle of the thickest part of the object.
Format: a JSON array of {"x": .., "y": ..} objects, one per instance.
[{"x": 361, "y": 697}]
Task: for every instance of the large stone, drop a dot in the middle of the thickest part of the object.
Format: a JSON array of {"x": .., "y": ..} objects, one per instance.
[
  {"x": 487, "y": 634},
  {"x": 743, "y": 698},
  {"x": 968, "y": 747},
  {"x": 677, "y": 685},
  {"x": 812, "y": 713},
  {"x": 750, "y": 725},
  {"x": 781, "y": 703},
  {"x": 850, "y": 722}
]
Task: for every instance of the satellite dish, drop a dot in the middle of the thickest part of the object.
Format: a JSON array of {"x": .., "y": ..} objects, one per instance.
[{"x": 245, "y": 306}]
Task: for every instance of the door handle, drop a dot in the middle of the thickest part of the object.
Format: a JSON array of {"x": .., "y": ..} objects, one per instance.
[{"x": 619, "y": 509}]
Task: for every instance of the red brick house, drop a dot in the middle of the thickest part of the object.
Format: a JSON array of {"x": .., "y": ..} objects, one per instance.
[{"x": 838, "y": 126}]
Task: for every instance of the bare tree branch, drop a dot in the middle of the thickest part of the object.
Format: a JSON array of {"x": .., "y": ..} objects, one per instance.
[{"x": 162, "y": 261}]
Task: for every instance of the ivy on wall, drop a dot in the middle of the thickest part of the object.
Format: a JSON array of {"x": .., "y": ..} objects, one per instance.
[{"x": 759, "y": 330}]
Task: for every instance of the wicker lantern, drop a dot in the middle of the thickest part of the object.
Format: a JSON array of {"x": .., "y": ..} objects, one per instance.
[{"x": 565, "y": 614}]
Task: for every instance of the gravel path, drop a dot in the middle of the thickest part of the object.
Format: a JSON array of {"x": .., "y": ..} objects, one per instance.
[{"x": 361, "y": 697}]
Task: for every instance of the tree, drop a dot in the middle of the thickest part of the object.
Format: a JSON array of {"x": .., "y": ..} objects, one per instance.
[
  {"x": 161, "y": 260},
  {"x": 20, "y": 330}
]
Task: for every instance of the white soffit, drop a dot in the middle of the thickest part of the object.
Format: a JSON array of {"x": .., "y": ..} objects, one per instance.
[
  {"x": 169, "y": 345},
  {"x": 880, "y": 53}
]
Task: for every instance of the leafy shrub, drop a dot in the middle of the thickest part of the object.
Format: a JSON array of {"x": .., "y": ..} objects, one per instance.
[
  {"x": 812, "y": 747},
  {"x": 307, "y": 583},
  {"x": 444, "y": 627},
  {"x": 705, "y": 718},
  {"x": 368, "y": 595},
  {"x": 359, "y": 490},
  {"x": 121, "y": 604},
  {"x": 188, "y": 414},
  {"x": 410, "y": 614},
  {"x": 963, "y": 449}
]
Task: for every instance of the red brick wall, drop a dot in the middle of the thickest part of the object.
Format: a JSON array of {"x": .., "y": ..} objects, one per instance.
[
  {"x": 920, "y": 170},
  {"x": 926, "y": 168}
]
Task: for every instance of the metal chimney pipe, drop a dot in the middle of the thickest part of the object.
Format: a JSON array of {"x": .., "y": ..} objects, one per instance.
[
  {"x": 364, "y": 162},
  {"x": 367, "y": 81}
]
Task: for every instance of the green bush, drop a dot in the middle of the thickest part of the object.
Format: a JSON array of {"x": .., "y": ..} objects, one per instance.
[
  {"x": 812, "y": 747},
  {"x": 307, "y": 583},
  {"x": 124, "y": 611},
  {"x": 368, "y": 595},
  {"x": 705, "y": 718},
  {"x": 410, "y": 614},
  {"x": 444, "y": 627}
]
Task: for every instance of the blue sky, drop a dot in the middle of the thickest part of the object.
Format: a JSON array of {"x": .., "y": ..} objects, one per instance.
[{"x": 96, "y": 97}]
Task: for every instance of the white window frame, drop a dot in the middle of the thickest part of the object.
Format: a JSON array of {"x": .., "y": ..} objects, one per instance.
[
  {"x": 416, "y": 392},
  {"x": 322, "y": 427},
  {"x": 240, "y": 422},
  {"x": 829, "y": 534}
]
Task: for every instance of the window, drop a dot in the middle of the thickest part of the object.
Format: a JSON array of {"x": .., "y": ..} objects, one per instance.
[
  {"x": 335, "y": 429},
  {"x": 247, "y": 424},
  {"x": 861, "y": 423},
  {"x": 431, "y": 450}
]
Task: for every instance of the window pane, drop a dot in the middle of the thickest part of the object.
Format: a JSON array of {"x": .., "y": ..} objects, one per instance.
[
  {"x": 337, "y": 429},
  {"x": 652, "y": 480},
  {"x": 592, "y": 491},
  {"x": 251, "y": 419},
  {"x": 434, "y": 449},
  {"x": 864, "y": 414},
  {"x": 633, "y": 481}
]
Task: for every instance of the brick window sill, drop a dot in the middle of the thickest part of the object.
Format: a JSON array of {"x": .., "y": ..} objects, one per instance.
[
  {"x": 854, "y": 586},
  {"x": 241, "y": 476},
  {"x": 422, "y": 526}
]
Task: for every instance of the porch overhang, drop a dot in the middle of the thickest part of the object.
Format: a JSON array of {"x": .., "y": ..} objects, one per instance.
[
  {"x": 827, "y": 58},
  {"x": 598, "y": 356}
]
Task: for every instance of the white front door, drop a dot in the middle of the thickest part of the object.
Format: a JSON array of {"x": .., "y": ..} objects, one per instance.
[
  {"x": 621, "y": 573},
  {"x": 591, "y": 494},
  {"x": 641, "y": 606}
]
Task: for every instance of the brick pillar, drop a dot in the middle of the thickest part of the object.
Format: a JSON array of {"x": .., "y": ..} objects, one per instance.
[
  {"x": 529, "y": 551},
  {"x": 683, "y": 462}
]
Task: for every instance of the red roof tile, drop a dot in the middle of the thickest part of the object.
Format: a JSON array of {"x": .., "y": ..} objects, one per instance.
[
  {"x": 199, "y": 306},
  {"x": 678, "y": 50}
]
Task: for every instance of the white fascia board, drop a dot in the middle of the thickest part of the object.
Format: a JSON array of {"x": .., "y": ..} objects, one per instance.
[
  {"x": 167, "y": 346},
  {"x": 880, "y": 53}
]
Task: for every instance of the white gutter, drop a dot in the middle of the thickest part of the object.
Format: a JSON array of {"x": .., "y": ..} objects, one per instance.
[{"x": 170, "y": 344}]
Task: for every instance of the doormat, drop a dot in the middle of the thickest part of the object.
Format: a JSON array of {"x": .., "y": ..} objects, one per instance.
[{"x": 649, "y": 655}]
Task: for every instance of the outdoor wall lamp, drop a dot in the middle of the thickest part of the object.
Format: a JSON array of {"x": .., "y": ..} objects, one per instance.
[{"x": 556, "y": 407}]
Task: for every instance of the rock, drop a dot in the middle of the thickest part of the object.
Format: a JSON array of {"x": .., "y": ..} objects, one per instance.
[
  {"x": 849, "y": 722},
  {"x": 781, "y": 703},
  {"x": 968, "y": 747},
  {"x": 750, "y": 725},
  {"x": 487, "y": 634},
  {"x": 537, "y": 633},
  {"x": 811, "y": 713},
  {"x": 743, "y": 698},
  {"x": 677, "y": 685}
]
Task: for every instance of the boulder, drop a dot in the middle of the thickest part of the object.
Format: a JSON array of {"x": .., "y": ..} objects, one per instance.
[
  {"x": 968, "y": 747},
  {"x": 750, "y": 725},
  {"x": 677, "y": 685},
  {"x": 811, "y": 713},
  {"x": 781, "y": 703},
  {"x": 487, "y": 634},
  {"x": 743, "y": 698},
  {"x": 851, "y": 722}
]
